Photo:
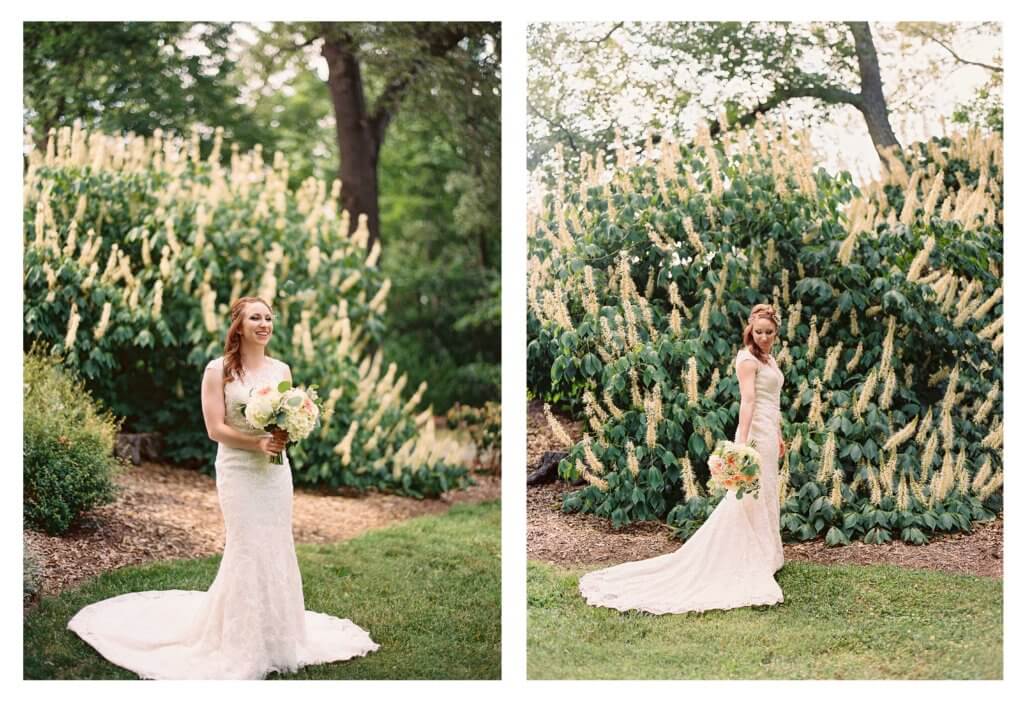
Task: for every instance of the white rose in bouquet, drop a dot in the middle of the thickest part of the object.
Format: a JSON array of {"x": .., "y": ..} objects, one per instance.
[
  {"x": 292, "y": 409},
  {"x": 259, "y": 410}
]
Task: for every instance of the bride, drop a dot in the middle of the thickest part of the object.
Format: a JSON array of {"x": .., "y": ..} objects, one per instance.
[
  {"x": 252, "y": 620},
  {"x": 731, "y": 560}
]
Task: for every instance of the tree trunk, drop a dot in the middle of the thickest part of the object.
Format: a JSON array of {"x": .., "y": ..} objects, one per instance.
[
  {"x": 872, "y": 98},
  {"x": 870, "y": 101},
  {"x": 358, "y": 145},
  {"x": 360, "y": 129}
]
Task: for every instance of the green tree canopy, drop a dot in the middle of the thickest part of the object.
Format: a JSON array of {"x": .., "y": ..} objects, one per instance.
[{"x": 132, "y": 77}]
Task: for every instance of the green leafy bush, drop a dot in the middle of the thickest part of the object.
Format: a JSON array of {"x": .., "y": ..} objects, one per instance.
[
  {"x": 69, "y": 447},
  {"x": 451, "y": 380},
  {"x": 641, "y": 278},
  {"x": 134, "y": 250},
  {"x": 483, "y": 424}
]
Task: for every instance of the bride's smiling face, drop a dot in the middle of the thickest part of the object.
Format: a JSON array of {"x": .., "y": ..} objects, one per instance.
[
  {"x": 764, "y": 333},
  {"x": 257, "y": 324}
]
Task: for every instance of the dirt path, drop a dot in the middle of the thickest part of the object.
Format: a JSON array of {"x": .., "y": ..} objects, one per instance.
[
  {"x": 165, "y": 512},
  {"x": 585, "y": 539}
]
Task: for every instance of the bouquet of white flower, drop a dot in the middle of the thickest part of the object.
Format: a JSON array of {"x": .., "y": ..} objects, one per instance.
[{"x": 295, "y": 410}]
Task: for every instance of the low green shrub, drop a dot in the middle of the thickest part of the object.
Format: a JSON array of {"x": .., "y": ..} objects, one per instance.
[{"x": 69, "y": 442}]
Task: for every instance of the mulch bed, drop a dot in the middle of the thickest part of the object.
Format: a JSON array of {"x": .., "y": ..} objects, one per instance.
[
  {"x": 164, "y": 512},
  {"x": 585, "y": 539},
  {"x": 979, "y": 553}
]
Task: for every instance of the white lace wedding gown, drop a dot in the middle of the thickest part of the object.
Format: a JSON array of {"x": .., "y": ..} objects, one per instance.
[
  {"x": 252, "y": 620},
  {"x": 730, "y": 561}
]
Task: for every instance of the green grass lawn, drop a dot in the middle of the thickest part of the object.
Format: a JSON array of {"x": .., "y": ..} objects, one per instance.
[
  {"x": 428, "y": 590},
  {"x": 837, "y": 622}
]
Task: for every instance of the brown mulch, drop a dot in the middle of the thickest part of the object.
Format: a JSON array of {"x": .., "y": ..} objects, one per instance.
[
  {"x": 165, "y": 512},
  {"x": 585, "y": 539}
]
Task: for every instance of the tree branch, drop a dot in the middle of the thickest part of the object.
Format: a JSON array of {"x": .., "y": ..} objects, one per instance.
[
  {"x": 597, "y": 42},
  {"x": 826, "y": 93},
  {"x": 957, "y": 57},
  {"x": 387, "y": 104},
  {"x": 553, "y": 123}
]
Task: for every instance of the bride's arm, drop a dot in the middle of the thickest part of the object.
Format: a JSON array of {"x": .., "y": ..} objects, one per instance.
[
  {"x": 782, "y": 440},
  {"x": 213, "y": 415},
  {"x": 746, "y": 371}
]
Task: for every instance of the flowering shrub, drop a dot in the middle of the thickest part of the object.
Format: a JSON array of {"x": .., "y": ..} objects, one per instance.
[
  {"x": 134, "y": 250},
  {"x": 483, "y": 424},
  {"x": 641, "y": 277}
]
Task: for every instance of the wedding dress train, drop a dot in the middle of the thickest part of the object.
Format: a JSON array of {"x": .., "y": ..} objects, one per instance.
[
  {"x": 731, "y": 560},
  {"x": 252, "y": 620}
]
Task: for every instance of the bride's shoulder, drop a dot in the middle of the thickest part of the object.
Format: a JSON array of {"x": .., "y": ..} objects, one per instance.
[
  {"x": 281, "y": 366},
  {"x": 215, "y": 364},
  {"x": 744, "y": 353}
]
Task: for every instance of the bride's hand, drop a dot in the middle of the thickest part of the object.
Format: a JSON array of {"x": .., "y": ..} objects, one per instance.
[
  {"x": 271, "y": 445},
  {"x": 782, "y": 448}
]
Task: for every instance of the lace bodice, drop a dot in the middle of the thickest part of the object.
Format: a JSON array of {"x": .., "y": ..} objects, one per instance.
[
  {"x": 237, "y": 391},
  {"x": 767, "y": 384},
  {"x": 769, "y": 376}
]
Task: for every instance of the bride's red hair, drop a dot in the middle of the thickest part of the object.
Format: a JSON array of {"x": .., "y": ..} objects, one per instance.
[
  {"x": 233, "y": 341},
  {"x": 760, "y": 311}
]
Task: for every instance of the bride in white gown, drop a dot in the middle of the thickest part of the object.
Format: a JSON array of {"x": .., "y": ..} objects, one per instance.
[
  {"x": 252, "y": 620},
  {"x": 731, "y": 560}
]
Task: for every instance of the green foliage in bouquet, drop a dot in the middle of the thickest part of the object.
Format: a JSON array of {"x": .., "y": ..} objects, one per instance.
[
  {"x": 134, "y": 248},
  {"x": 69, "y": 464},
  {"x": 641, "y": 277}
]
